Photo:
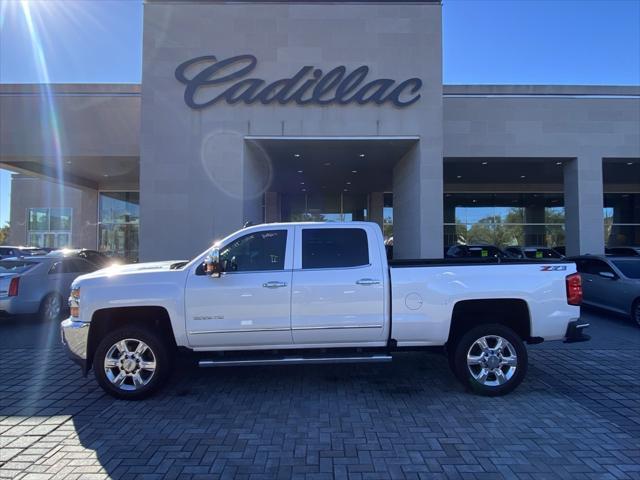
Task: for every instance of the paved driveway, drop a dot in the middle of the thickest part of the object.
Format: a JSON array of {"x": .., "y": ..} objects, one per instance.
[{"x": 577, "y": 415}]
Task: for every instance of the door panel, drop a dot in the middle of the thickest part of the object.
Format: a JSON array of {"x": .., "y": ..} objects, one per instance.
[
  {"x": 249, "y": 305},
  {"x": 338, "y": 304},
  {"x": 239, "y": 309}
]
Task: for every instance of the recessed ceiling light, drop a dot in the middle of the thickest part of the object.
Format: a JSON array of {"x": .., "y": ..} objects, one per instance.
[
  {"x": 362, "y": 155},
  {"x": 346, "y": 189},
  {"x": 354, "y": 171},
  {"x": 474, "y": 200},
  {"x": 301, "y": 183},
  {"x": 629, "y": 163},
  {"x": 484, "y": 163},
  {"x": 327, "y": 164},
  {"x": 558, "y": 163},
  {"x": 304, "y": 189},
  {"x": 348, "y": 183},
  {"x": 297, "y": 155},
  {"x": 459, "y": 176},
  {"x": 523, "y": 176},
  {"x": 68, "y": 162},
  {"x": 299, "y": 171},
  {"x": 105, "y": 175}
]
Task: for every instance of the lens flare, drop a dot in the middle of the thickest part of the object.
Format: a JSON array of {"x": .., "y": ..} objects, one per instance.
[{"x": 50, "y": 123}]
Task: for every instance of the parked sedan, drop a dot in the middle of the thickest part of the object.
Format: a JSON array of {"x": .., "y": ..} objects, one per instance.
[
  {"x": 97, "y": 258},
  {"x": 533, "y": 252},
  {"x": 39, "y": 284},
  {"x": 7, "y": 251},
  {"x": 623, "y": 251},
  {"x": 612, "y": 283}
]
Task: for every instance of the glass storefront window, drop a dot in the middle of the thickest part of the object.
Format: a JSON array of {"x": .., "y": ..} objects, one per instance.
[
  {"x": 38, "y": 219},
  {"x": 503, "y": 219},
  {"x": 119, "y": 224},
  {"x": 622, "y": 219},
  {"x": 324, "y": 207},
  {"x": 49, "y": 227}
]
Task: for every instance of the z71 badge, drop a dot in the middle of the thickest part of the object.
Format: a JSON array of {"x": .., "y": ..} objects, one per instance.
[{"x": 553, "y": 268}]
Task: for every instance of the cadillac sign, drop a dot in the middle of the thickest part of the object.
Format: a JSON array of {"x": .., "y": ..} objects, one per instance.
[{"x": 310, "y": 86}]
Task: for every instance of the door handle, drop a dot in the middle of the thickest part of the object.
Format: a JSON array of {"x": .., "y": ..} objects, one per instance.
[
  {"x": 368, "y": 281},
  {"x": 274, "y": 284}
]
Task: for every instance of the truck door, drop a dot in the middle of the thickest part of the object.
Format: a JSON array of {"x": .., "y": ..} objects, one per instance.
[
  {"x": 338, "y": 287},
  {"x": 249, "y": 305}
]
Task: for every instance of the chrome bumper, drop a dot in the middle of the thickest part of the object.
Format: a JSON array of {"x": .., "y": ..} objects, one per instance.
[{"x": 75, "y": 336}]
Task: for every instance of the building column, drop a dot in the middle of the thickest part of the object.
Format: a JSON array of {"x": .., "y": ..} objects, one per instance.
[
  {"x": 418, "y": 204},
  {"x": 534, "y": 235},
  {"x": 583, "y": 200},
  {"x": 272, "y": 207},
  {"x": 376, "y": 208}
]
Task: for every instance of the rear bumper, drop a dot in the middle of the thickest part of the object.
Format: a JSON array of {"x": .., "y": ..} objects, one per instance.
[
  {"x": 16, "y": 306},
  {"x": 575, "y": 332},
  {"x": 75, "y": 335}
]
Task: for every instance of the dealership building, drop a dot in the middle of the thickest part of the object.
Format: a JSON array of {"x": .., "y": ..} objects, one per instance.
[{"x": 260, "y": 111}]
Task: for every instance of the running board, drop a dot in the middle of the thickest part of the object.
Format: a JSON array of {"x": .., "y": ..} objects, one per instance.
[{"x": 294, "y": 361}]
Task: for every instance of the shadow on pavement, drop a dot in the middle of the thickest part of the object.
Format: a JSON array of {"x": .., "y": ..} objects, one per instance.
[{"x": 386, "y": 420}]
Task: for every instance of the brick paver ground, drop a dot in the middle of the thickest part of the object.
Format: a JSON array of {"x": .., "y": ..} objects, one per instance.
[{"x": 577, "y": 415}]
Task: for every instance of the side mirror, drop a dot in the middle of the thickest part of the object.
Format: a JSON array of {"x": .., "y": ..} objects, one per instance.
[
  {"x": 212, "y": 263},
  {"x": 608, "y": 275}
]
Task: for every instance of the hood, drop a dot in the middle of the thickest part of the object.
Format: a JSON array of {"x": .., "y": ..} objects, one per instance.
[{"x": 134, "y": 268}]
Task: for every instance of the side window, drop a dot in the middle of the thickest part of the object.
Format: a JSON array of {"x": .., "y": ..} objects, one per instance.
[
  {"x": 600, "y": 266},
  {"x": 593, "y": 267},
  {"x": 258, "y": 251},
  {"x": 334, "y": 247},
  {"x": 81, "y": 266}
]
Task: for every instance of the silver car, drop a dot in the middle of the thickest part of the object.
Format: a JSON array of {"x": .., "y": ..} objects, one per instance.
[
  {"x": 612, "y": 283},
  {"x": 38, "y": 284}
]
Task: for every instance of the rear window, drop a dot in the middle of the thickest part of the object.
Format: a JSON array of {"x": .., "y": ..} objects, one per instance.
[
  {"x": 334, "y": 247},
  {"x": 630, "y": 268},
  {"x": 15, "y": 266}
]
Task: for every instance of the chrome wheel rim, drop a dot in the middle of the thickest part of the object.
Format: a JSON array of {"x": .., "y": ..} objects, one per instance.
[
  {"x": 129, "y": 364},
  {"x": 52, "y": 307},
  {"x": 492, "y": 360}
]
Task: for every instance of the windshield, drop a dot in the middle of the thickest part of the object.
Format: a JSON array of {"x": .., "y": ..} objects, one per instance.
[
  {"x": 15, "y": 266},
  {"x": 630, "y": 268}
]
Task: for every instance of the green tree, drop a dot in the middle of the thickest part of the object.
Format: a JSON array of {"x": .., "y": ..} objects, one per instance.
[{"x": 4, "y": 234}]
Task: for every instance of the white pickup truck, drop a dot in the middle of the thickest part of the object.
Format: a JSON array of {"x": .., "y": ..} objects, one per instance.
[{"x": 317, "y": 293}]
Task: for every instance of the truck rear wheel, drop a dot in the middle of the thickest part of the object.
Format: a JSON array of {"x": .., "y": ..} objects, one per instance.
[
  {"x": 131, "y": 363},
  {"x": 490, "y": 360}
]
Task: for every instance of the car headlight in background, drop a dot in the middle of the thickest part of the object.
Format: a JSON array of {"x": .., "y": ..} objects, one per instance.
[{"x": 74, "y": 302}]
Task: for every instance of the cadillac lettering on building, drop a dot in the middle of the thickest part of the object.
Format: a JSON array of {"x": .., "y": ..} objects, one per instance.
[{"x": 310, "y": 86}]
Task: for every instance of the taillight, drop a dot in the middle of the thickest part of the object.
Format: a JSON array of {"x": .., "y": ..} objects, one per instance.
[
  {"x": 574, "y": 289},
  {"x": 13, "y": 286}
]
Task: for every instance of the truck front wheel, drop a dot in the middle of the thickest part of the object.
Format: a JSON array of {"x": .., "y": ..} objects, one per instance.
[
  {"x": 490, "y": 359},
  {"x": 131, "y": 363}
]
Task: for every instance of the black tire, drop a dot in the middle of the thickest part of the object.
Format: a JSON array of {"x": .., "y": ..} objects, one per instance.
[
  {"x": 131, "y": 387},
  {"x": 495, "y": 383},
  {"x": 51, "y": 308}
]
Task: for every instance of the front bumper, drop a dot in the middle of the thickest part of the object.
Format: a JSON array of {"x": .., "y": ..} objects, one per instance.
[
  {"x": 574, "y": 332},
  {"x": 75, "y": 336}
]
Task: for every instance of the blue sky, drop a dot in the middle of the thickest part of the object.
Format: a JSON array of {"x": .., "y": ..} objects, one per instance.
[{"x": 484, "y": 41}]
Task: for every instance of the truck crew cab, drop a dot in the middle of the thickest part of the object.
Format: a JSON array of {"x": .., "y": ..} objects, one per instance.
[{"x": 317, "y": 293}]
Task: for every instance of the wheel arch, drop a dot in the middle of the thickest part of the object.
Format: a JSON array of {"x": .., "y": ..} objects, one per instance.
[
  {"x": 108, "y": 319},
  {"x": 510, "y": 312}
]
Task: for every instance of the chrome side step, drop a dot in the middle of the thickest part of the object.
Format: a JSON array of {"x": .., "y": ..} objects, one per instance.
[{"x": 294, "y": 361}]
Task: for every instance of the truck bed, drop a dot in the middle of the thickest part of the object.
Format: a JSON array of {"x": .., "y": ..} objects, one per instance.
[{"x": 453, "y": 262}]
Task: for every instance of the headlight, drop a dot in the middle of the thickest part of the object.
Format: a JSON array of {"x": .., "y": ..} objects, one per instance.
[{"x": 74, "y": 302}]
